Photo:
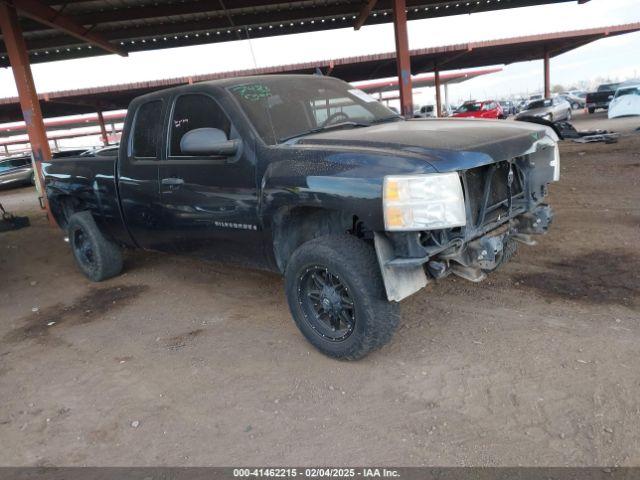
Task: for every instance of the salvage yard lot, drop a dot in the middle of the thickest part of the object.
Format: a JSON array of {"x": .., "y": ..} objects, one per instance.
[{"x": 177, "y": 362}]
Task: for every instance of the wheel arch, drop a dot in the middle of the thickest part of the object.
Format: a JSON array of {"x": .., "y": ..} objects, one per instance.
[{"x": 63, "y": 206}]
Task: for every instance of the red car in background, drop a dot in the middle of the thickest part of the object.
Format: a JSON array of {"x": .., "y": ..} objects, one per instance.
[{"x": 486, "y": 109}]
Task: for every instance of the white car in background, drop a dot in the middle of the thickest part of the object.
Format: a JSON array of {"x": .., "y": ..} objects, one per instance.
[
  {"x": 626, "y": 101},
  {"x": 429, "y": 111}
]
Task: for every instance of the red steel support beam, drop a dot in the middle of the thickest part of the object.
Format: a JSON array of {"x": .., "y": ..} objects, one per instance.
[
  {"x": 48, "y": 16},
  {"x": 364, "y": 14},
  {"x": 103, "y": 129},
  {"x": 547, "y": 75},
  {"x": 19, "y": 59},
  {"x": 438, "y": 93},
  {"x": 403, "y": 59}
]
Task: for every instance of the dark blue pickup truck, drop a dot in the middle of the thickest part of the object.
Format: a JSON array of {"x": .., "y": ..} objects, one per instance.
[{"x": 310, "y": 177}]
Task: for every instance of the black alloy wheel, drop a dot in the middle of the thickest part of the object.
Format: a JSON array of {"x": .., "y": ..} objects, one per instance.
[{"x": 326, "y": 303}]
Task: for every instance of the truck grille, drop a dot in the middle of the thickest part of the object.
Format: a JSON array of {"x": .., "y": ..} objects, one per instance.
[{"x": 487, "y": 190}]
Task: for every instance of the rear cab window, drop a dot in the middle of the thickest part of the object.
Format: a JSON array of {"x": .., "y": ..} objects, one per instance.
[{"x": 147, "y": 130}]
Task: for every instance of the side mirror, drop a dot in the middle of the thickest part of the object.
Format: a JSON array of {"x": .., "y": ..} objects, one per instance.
[{"x": 208, "y": 141}]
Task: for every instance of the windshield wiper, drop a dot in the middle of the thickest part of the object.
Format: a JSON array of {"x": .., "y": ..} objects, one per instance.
[{"x": 332, "y": 126}]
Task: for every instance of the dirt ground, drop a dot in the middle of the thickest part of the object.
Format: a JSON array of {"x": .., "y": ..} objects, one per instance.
[{"x": 178, "y": 362}]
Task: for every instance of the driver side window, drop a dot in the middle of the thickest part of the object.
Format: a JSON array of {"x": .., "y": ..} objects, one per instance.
[{"x": 195, "y": 111}]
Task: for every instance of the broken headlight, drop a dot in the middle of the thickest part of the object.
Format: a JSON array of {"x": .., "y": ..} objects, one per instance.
[{"x": 423, "y": 202}]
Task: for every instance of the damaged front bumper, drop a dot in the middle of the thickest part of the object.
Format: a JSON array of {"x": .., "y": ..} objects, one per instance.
[{"x": 408, "y": 262}]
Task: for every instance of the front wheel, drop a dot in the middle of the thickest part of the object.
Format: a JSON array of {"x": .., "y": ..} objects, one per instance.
[
  {"x": 97, "y": 257},
  {"x": 337, "y": 299}
]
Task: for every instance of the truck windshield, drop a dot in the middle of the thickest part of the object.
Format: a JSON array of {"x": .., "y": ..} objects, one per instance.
[{"x": 281, "y": 108}]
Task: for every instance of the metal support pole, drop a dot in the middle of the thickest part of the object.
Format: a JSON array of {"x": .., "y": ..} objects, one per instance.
[
  {"x": 6, "y": 151},
  {"x": 403, "y": 59},
  {"x": 547, "y": 75},
  {"x": 55, "y": 144},
  {"x": 19, "y": 59},
  {"x": 446, "y": 97},
  {"x": 438, "y": 93},
  {"x": 103, "y": 129}
]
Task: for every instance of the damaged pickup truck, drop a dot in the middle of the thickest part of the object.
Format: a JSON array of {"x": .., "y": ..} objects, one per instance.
[{"x": 309, "y": 177}]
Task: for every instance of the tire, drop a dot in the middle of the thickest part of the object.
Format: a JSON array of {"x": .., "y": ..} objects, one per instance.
[
  {"x": 97, "y": 257},
  {"x": 351, "y": 264},
  {"x": 592, "y": 110}
]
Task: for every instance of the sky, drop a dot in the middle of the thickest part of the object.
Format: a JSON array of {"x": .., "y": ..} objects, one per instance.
[{"x": 617, "y": 57}]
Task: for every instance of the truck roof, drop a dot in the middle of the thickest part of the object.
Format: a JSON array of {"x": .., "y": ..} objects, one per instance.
[{"x": 227, "y": 82}]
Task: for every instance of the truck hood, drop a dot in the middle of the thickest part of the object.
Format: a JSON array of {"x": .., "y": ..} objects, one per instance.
[{"x": 451, "y": 144}]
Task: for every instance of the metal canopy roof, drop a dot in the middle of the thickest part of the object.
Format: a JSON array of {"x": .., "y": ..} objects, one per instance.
[
  {"x": 426, "y": 80},
  {"x": 449, "y": 57},
  {"x": 419, "y": 81},
  {"x": 64, "y": 29}
]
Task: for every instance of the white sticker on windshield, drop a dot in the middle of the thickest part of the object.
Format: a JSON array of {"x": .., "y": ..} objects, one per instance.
[{"x": 365, "y": 97}]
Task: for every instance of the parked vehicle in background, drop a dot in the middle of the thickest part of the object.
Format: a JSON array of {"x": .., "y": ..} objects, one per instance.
[
  {"x": 575, "y": 101},
  {"x": 508, "y": 107},
  {"x": 552, "y": 109},
  {"x": 602, "y": 97},
  {"x": 489, "y": 109},
  {"x": 309, "y": 177},
  {"x": 426, "y": 111},
  {"x": 521, "y": 105},
  {"x": 429, "y": 111},
  {"x": 581, "y": 95},
  {"x": 626, "y": 101},
  {"x": 17, "y": 171}
]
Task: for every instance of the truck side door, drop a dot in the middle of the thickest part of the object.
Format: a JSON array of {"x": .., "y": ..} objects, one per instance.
[
  {"x": 138, "y": 184},
  {"x": 210, "y": 203}
]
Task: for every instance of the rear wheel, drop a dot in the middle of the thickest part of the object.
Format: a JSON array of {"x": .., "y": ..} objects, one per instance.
[
  {"x": 97, "y": 257},
  {"x": 337, "y": 299}
]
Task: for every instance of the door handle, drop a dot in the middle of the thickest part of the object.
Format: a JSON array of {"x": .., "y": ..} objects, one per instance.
[{"x": 172, "y": 182}]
